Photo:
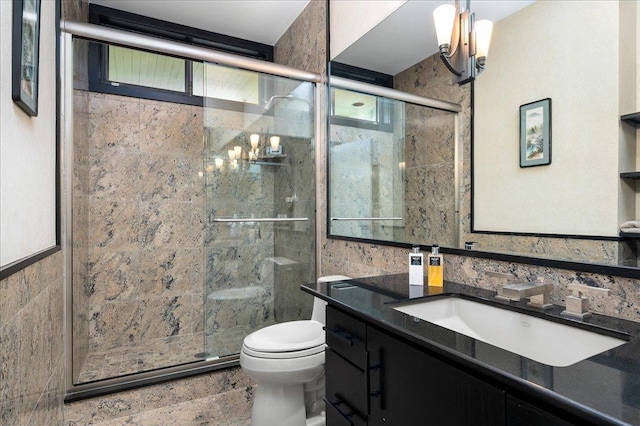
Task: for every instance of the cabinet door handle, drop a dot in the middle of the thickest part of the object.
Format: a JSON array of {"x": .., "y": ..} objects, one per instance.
[
  {"x": 344, "y": 417},
  {"x": 340, "y": 335},
  {"x": 369, "y": 392},
  {"x": 375, "y": 393}
]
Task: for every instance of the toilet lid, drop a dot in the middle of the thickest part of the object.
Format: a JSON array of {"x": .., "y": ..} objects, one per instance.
[{"x": 286, "y": 337}]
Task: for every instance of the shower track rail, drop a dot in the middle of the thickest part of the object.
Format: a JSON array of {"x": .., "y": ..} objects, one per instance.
[
  {"x": 69, "y": 30},
  {"x": 124, "y": 38}
]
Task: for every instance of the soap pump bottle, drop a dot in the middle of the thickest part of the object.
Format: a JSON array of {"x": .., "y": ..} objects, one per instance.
[
  {"x": 435, "y": 266},
  {"x": 416, "y": 268}
]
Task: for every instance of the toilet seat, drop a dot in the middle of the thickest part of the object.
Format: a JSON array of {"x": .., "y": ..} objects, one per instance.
[
  {"x": 292, "y": 339},
  {"x": 284, "y": 355}
]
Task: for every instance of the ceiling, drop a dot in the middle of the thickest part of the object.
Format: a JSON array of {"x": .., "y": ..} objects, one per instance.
[
  {"x": 400, "y": 41},
  {"x": 263, "y": 21}
]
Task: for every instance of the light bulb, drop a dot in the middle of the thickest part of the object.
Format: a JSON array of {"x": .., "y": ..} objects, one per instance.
[
  {"x": 443, "y": 18},
  {"x": 232, "y": 154},
  {"x": 483, "y": 30},
  {"x": 219, "y": 162},
  {"x": 238, "y": 151},
  {"x": 255, "y": 139},
  {"x": 275, "y": 142}
]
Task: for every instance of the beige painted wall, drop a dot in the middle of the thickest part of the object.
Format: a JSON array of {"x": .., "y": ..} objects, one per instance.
[
  {"x": 28, "y": 150},
  {"x": 351, "y": 19},
  {"x": 583, "y": 86}
]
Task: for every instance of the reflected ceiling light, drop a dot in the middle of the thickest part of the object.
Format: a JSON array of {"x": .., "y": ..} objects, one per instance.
[{"x": 463, "y": 43}]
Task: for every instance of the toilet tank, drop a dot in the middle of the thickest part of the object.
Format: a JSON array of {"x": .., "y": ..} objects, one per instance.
[{"x": 319, "y": 305}]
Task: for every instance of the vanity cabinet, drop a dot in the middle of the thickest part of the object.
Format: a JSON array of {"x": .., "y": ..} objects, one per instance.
[
  {"x": 374, "y": 378},
  {"x": 410, "y": 387}
]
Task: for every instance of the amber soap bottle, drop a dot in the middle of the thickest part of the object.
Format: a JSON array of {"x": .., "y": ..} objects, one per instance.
[{"x": 435, "y": 267}]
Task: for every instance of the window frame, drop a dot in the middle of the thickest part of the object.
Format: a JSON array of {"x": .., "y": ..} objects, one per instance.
[
  {"x": 366, "y": 76},
  {"x": 98, "y": 59}
]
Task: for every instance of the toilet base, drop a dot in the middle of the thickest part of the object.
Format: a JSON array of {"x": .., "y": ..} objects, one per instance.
[
  {"x": 319, "y": 420},
  {"x": 283, "y": 406},
  {"x": 278, "y": 405}
]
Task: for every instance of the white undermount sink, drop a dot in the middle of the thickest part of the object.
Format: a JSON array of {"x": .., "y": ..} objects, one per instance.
[{"x": 548, "y": 342}]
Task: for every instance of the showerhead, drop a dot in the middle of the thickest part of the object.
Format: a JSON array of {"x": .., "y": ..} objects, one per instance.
[
  {"x": 272, "y": 99},
  {"x": 289, "y": 97}
]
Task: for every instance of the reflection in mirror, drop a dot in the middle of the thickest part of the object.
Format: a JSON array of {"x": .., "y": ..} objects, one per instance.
[
  {"x": 390, "y": 170},
  {"x": 551, "y": 47}
]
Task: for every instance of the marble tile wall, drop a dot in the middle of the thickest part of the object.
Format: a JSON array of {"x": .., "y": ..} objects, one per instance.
[
  {"x": 294, "y": 247},
  {"x": 81, "y": 232},
  {"x": 31, "y": 344},
  {"x": 355, "y": 153},
  {"x": 302, "y": 46},
  {"x": 239, "y": 279},
  {"x": 145, "y": 222},
  {"x": 429, "y": 172}
]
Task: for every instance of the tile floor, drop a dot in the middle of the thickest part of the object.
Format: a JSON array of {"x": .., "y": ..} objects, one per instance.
[
  {"x": 227, "y": 409},
  {"x": 147, "y": 356}
]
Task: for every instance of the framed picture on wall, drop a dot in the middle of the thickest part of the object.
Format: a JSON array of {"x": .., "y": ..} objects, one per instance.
[
  {"x": 25, "y": 54},
  {"x": 535, "y": 133}
]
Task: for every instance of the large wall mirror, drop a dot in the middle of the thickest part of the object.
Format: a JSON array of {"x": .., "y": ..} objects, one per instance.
[{"x": 570, "y": 210}]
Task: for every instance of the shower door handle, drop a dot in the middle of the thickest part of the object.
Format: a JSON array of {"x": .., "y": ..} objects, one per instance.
[{"x": 263, "y": 219}]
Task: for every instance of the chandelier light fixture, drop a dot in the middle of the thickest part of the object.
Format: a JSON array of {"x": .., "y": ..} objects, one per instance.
[{"x": 463, "y": 43}]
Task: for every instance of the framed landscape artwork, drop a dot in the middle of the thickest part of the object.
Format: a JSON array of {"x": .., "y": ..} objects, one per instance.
[
  {"x": 535, "y": 133},
  {"x": 25, "y": 53}
]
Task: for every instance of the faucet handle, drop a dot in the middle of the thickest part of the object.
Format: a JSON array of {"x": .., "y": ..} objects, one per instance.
[
  {"x": 578, "y": 289},
  {"x": 577, "y": 305}
]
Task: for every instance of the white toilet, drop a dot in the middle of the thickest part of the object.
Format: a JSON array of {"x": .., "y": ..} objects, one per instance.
[{"x": 286, "y": 361}]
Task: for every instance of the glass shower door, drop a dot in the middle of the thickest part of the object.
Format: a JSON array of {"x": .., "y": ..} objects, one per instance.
[{"x": 259, "y": 201}]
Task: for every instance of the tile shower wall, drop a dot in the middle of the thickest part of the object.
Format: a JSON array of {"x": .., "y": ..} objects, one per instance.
[
  {"x": 429, "y": 171},
  {"x": 431, "y": 78},
  {"x": 239, "y": 283},
  {"x": 145, "y": 235},
  {"x": 80, "y": 213},
  {"x": 31, "y": 345},
  {"x": 302, "y": 46},
  {"x": 380, "y": 153}
]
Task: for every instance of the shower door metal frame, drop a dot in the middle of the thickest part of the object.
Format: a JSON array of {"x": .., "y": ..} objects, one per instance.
[{"x": 96, "y": 33}]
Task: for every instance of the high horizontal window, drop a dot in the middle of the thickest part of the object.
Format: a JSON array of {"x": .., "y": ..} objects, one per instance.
[
  {"x": 130, "y": 66},
  {"x": 215, "y": 81},
  {"x": 155, "y": 71},
  {"x": 131, "y": 72},
  {"x": 358, "y": 106}
]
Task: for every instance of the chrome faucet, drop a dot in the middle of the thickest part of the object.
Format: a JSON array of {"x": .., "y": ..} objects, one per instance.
[
  {"x": 539, "y": 293},
  {"x": 577, "y": 306}
]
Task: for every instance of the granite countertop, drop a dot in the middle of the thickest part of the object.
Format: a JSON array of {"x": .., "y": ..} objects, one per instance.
[{"x": 603, "y": 389}]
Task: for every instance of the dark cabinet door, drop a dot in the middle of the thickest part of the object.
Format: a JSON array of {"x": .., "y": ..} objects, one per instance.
[
  {"x": 347, "y": 336},
  {"x": 346, "y": 395},
  {"x": 520, "y": 413},
  {"x": 410, "y": 387}
]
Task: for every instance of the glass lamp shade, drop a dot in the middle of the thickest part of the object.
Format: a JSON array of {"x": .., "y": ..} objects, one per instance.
[
  {"x": 255, "y": 140},
  {"x": 275, "y": 142},
  {"x": 443, "y": 18},
  {"x": 483, "y": 30}
]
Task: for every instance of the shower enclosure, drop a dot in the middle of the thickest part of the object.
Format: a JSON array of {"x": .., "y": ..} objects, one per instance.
[{"x": 189, "y": 223}]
